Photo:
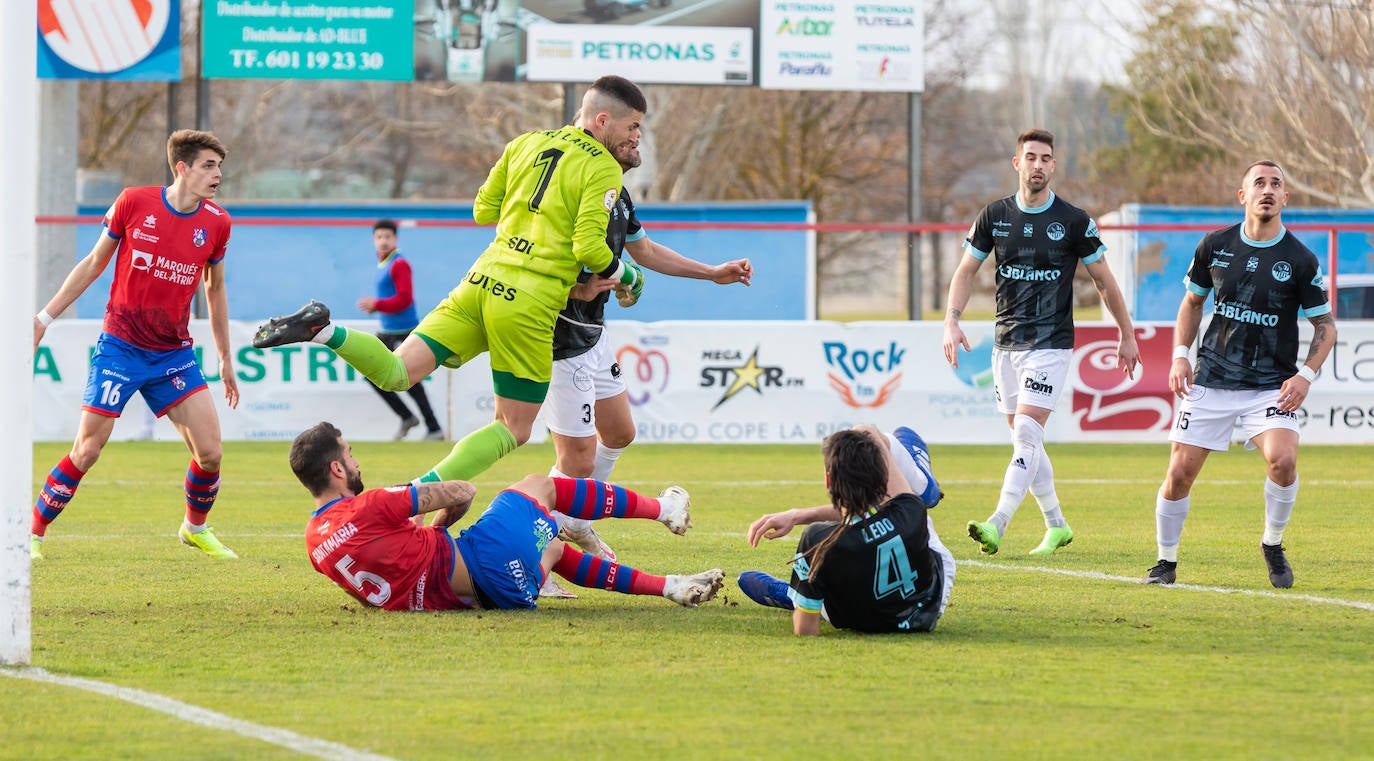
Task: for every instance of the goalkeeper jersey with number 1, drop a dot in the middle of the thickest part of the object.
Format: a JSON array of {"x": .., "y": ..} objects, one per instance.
[{"x": 550, "y": 195}]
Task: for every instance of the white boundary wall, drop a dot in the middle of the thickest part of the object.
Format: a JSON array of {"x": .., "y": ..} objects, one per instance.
[{"x": 735, "y": 382}]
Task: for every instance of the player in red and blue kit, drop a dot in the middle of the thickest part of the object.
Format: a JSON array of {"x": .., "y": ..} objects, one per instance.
[
  {"x": 365, "y": 540},
  {"x": 164, "y": 241},
  {"x": 394, "y": 306}
]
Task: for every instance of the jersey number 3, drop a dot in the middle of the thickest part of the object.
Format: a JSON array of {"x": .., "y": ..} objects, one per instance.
[{"x": 892, "y": 572}]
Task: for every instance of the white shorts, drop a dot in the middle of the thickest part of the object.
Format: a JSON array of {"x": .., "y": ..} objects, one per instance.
[
  {"x": 946, "y": 562},
  {"x": 1034, "y": 377},
  {"x": 1208, "y": 417},
  {"x": 577, "y": 384}
]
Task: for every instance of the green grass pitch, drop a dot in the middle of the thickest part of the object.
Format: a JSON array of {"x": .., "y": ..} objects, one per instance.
[{"x": 1055, "y": 658}]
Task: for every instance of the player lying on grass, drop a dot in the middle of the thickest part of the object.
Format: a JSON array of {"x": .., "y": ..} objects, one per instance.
[
  {"x": 871, "y": 560},
  {"x": 367, "y": 543}
]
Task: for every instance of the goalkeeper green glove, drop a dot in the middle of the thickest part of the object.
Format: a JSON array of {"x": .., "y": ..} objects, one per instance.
[{"x": 631, "y": 285}]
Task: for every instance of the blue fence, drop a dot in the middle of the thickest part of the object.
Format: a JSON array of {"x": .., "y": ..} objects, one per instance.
[
  {"x": 283, "y": 255},
  {"x": 1162, "y": 257}
]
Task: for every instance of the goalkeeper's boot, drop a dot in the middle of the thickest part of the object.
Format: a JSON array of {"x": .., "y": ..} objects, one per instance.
[
  {"x": 206, "y": 542},
  {"x": 691, "y": 591},
  {"x": 920, "y": 453},
  {"x": 1164, "y": 572},
  {"x": 1055, "y": 537},
  {"x": 765, "y": 589},
  {"x": 35, "y": 547},
  {"x": 1280, "y": 573},
  {"x": 674, "y": 503},
  {"x": 297, "y": 327},
  {"x": 986, "y": 535}
]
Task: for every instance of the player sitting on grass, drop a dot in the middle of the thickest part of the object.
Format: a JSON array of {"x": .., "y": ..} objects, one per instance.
[
  {"x": 875, "y": 564},
  {"x": 367, "y": 543}
]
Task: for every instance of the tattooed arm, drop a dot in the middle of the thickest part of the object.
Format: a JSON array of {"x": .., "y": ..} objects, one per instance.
[
  {"x": 960, "y": 290},
  {"x": 448, "y": 500},
  {"x": 1293, "y": 392},
  {"x": 1323, "y": 340}
]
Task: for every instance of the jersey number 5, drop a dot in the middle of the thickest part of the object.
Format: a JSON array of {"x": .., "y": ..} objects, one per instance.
[
  {"x": 893, "y": 572},
  {"x": 357, "y": 580}
]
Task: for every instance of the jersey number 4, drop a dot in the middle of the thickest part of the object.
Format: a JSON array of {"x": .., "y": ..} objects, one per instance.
[
  {"x": 892, "y": 572},
  {"x": 357, "y": 580}
]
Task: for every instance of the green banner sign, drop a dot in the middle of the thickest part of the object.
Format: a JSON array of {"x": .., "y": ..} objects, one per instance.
[{"x": 309, "y": 39}]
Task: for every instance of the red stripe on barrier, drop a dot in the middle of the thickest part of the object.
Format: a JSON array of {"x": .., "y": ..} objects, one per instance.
[{"x": 820, "y": 227}]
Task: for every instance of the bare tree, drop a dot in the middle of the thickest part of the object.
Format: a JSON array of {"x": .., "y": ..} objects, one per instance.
[
  {"x": 113, "y": 115},
  {"x": 1320, "y": 126}
]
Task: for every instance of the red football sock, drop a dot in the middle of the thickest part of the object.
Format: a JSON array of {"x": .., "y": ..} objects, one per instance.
[
  {"x": 58, "y": 489},
  {"x": 592, "y": 500},
  {"x": 591, "y": 571},
  {"x": 202, "y": 486}
]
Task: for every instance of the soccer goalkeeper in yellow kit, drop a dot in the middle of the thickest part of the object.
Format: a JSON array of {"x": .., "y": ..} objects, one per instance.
[{"x": 550, "y": 195}]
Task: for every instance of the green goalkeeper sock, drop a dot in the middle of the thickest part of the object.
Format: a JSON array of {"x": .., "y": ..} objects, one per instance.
[
  {"x": 369, "y": 356},
  {"x": 473, "y": 454}
]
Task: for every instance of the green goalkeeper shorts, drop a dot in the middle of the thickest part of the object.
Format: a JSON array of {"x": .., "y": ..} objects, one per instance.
[{"x": 484, "y": 314}]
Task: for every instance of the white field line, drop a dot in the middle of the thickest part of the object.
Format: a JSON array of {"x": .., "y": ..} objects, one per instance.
[
  {"x": 285, "y": 738},
  {"x": 761, "y": 482},
  {"x": 1098, "y": 575},
  {"x": 1137, "y": 580}
]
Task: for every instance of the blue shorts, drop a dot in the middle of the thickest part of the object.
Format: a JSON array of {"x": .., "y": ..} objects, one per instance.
[
  {"x": 118, "y": 369},
  {"x": 503, "y": 548}
]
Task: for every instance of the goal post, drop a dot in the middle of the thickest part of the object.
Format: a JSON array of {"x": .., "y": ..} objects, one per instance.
[{"x": 19, "y": 176}]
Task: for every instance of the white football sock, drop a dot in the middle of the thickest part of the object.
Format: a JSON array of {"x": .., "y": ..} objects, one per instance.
[
  {"x": 1042, "y": 488},
  {"x": 1169, "y": 517},
  {"x": 605, "y": 461},
  {"x": 913, "y": 475},
  {"x": 1278, "y": 508},
  {"x": 1027, "y": 437}
]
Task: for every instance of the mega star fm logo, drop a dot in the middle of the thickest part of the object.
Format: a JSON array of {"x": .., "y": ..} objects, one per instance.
[{"x": 749, "y": 374}]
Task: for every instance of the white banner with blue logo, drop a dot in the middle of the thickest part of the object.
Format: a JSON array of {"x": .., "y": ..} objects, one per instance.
[{"x": 753, "y": 382}]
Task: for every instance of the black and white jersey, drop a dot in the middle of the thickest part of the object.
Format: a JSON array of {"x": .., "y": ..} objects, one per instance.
[
  {"x": 1259, "y": 288},
  {"x": 1036, "y": 252},
  {"x": 880, "y": 575},
  {"x": 579, "y": 325}
]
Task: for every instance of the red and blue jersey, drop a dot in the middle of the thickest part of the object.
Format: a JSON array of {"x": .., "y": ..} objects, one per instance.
[
  {"x": 368, "y": 545},
  {"x": 395, "y": 295},
  {"x": 161, "y": 256}
]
